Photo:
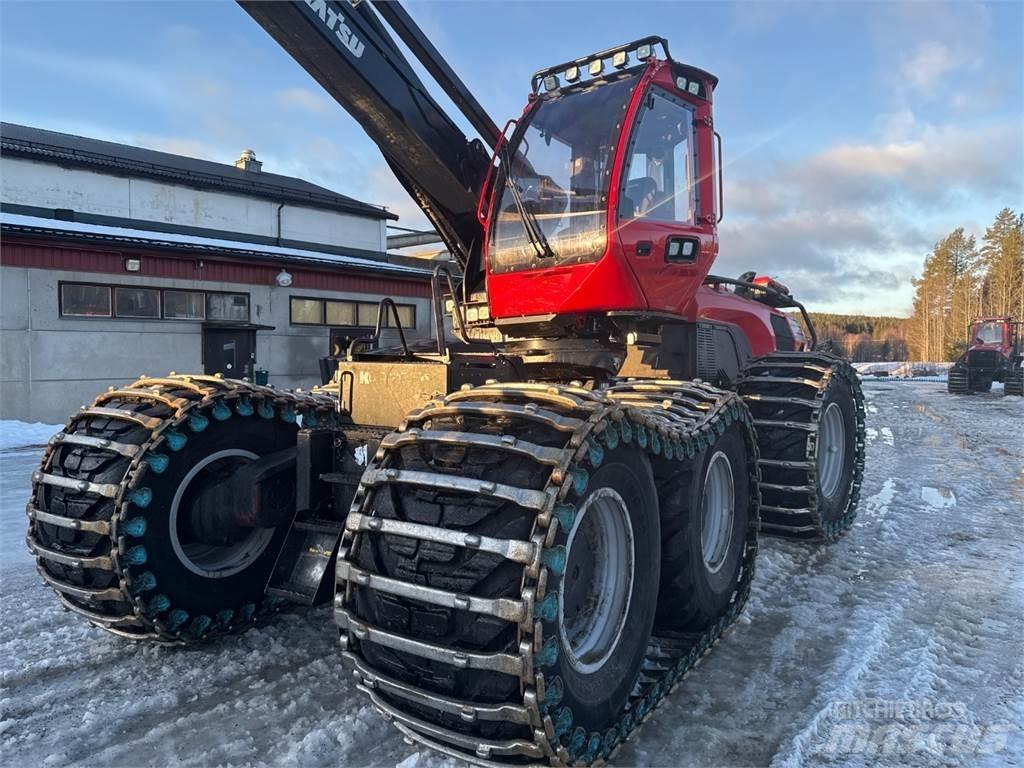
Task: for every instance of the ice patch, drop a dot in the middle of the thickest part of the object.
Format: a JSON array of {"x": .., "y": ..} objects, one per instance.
[
  {"x": 20, "y": 434},
  {"x": 878, "y": 504},
  {"x": 938, "y": 498},
  {"x": 887, "y": 436}
]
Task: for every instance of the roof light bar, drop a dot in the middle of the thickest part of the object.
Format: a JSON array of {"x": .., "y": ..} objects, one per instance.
[
  {"x": 596, "y": 67},
  {"x": 620, "y": 59},
  {"x": 572, "y": 74}
]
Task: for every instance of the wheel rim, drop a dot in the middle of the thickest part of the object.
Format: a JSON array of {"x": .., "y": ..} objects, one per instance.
[
  {"x": 831, "y": 450},
  {"x": 595, "y": 593},
  {"x": 717, "y": 512},
  {"x": 215, "y": 561}
]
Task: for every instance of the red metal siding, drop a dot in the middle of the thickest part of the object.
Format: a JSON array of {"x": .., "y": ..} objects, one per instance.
[{"x": 43, "y": 254}]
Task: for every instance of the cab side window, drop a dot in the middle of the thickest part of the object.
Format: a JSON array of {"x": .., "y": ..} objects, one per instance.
[{"x": 661, "y": 172}]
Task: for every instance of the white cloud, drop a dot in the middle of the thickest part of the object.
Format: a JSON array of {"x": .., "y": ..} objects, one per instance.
[
  {"x": 305, "y": 99},
  {"x": 931, "y": 61}
]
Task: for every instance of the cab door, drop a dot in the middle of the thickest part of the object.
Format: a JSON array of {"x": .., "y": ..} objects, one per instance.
[{"x": 664, "y": 229}]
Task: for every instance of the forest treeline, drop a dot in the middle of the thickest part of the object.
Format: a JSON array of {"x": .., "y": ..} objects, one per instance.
[{"x": 962, "y": 280}]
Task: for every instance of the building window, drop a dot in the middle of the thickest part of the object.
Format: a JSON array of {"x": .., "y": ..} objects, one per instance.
[
  {"x": 307, "y": 311},
  {"x": 80, "y": 300},
  {"x": 406, "y": 316},
  {"x": 184, "y": 305},
  {"x": 133, "y": 302},
  {"x": 227, "y": 306},
  {"x": 368, "y": 315},
  {"x": 341, "y": 313}
]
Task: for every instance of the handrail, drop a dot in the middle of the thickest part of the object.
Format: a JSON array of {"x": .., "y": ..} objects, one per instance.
[
  {"x": 366, "y": 340},
  {"x": 437, "y": 299},
  {"x": 716, "y": 280}
]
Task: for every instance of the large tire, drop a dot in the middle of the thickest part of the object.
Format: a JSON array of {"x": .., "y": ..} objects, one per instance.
[
  {"x": 1014, "y": 384},
  {"x": 810, "y": 417},
  {"x": 601, "y": 652},
  {"x": 957, "y": 380},
  {"x": 698, "y": 581},
  {"x": 112, "y": 521}
]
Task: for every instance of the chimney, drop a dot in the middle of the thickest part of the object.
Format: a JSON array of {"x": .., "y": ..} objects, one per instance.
[{"x": 247, "y": 161}]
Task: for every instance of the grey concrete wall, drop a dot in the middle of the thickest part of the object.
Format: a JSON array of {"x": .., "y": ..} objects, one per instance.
[{"x": 49, "y": 365}]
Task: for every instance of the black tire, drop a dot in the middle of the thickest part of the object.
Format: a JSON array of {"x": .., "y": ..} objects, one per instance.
[
  {"x": 597, "y": 697},
  {"x": 692, "y": 596},
  {"x": 956, "y": 383},
  {"x": 176, "y": 602},
  {"x": 833, "y": 506},
  {"x": 984, "y": 385},
  {"x": 1014, "y": 384}
]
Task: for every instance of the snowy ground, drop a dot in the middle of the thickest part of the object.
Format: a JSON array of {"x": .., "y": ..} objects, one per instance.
[{"x": 903, "y": 644}]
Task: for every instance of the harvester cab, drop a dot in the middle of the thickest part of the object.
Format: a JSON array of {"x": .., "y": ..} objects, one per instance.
[
  {"x": 536, "y": 524},
  {"x": 994, "y": 352}
]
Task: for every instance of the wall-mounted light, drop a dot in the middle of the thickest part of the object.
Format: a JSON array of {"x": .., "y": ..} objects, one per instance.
[
  {"x": 284, "y": 279},
  {"x": 132, "y": 265}
]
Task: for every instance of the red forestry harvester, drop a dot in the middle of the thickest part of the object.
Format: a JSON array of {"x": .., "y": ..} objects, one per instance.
[
  {"x": 540, "y": 519},
  {"x": 995, "y": 351}
]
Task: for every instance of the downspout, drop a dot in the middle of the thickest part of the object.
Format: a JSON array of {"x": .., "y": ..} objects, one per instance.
[{"x": 279, "y": 207}]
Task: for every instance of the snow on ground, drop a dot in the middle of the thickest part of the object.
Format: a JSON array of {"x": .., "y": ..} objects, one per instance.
[
  {"x": 902, "y": 644},
  {"x": 17, "y": 434}
]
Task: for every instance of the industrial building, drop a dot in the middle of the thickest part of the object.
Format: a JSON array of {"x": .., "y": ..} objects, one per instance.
[{"x": 118, "y": 261}]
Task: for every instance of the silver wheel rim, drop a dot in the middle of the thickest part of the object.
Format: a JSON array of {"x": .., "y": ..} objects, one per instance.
[
  {"x": 213, "y": 561},
  {"x": 831, "y": 450},
  {"x": 717, "y": 512},
  {"x": 599, "y": 551}
]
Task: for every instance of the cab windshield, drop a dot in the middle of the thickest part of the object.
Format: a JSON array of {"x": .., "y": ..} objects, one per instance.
[
  {"x": 560, "y": 167},
  {"x": 988, "y": 333}
]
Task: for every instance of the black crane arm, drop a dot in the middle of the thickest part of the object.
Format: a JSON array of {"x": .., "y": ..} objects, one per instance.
[{"x": 349, "y": 52}]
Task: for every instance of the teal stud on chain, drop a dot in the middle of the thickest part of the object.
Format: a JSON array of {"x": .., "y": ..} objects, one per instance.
[
  {"x": 611, "y": 436},
  {"x": 176, "y": 618},
  {"x": 580, "y": 479},
  {"x": 134, "y": 527},
  {"x": 548, "y": 653},
  {"x": 595, "y": 453},
  {"x": 611, "y": 740},
  {"x": 641, "y": 435},
  {"x": 288, "y": 413},
  {"x": 140, "y": 497},
  {"x": 554, "y": 559},
  {"x": 655, "y": 442},
  {"x": 627, "y": 431},
  {"x": 243, "y": 407},
  {"x": 553, "y": 691},
  {"x": 223, "y": 618},
  {"x": 546, "y": 609},
  {"x": 577, "y": 743},
  {"x": 668, "y": 449},
  {"x": 197, "y": 422},
  {"x": 593, "y": 748},
  {"x": 565, "y": 514},
  {"x": 221, "y": 411},
  {"x": 563, "y": 722},
  {"x": 158, "y": 462},
  {"x": 265, "y": 409},
  {"x": 144, "y": 582},
  {"x": 158, "y": 604},
  {"x": 198, "y": 626},
  {"x": 137, "y": 555},
  {"x": 246, "y": 612},
  {"x": 175, "y": 440},
  {"x": 309, "y": 420}
]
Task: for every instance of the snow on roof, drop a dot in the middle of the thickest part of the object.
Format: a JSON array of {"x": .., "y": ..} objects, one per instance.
[{"x": 144, "y": 237}]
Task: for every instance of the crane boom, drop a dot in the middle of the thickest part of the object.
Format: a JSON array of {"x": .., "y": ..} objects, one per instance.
[{"x": 349, "y": 52}]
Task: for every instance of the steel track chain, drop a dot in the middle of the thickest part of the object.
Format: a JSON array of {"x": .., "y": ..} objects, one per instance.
[
  {"x": 815, "y": 373},
  {"x": 670, "y": 421},
  {"x": 132, "y": 604}
]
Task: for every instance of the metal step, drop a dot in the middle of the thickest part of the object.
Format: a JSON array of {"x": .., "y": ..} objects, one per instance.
[{"x": 304, "y": 572}]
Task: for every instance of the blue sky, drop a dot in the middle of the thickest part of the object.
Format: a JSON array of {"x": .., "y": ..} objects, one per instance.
[{"x": 856, "y": 134}]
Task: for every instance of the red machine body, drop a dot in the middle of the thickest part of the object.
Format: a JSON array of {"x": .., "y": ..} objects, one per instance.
[
  {"x": 994, "y": 334},
  {"x": 637, "y": 272}
]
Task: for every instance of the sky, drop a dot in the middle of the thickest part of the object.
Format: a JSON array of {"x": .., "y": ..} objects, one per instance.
[{"x": 856, "y": 134}]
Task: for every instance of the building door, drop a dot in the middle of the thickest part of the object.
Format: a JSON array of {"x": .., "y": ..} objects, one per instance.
[{"x": 230, "y": 351}]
